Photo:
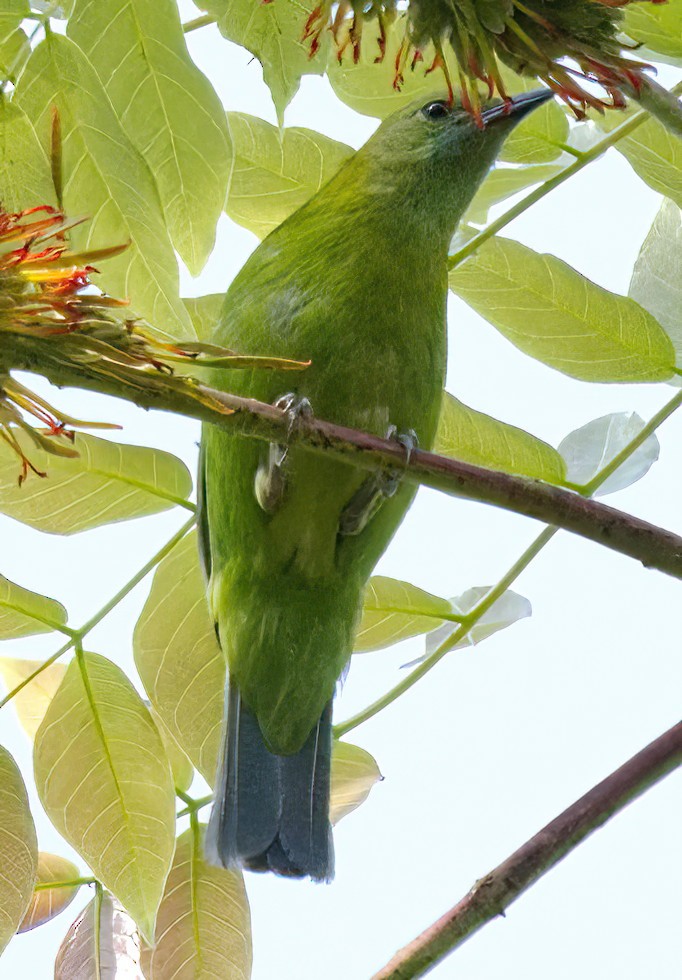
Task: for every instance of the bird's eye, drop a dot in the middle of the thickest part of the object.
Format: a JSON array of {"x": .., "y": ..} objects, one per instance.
[{"x": 436, "y": 110}]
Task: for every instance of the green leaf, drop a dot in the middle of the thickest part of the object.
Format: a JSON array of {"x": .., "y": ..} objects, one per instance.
[
  {"x": 181, "y": 768},
  {"x": 18, "y": 849},
  {"x": 354, "y": 773},
  {"x": 275, "y": 172},
  {"x": 107, "y": 180},
  {"x": 32, "y": 701},
  {"x": 178, "y": 658},
  {"x": 393, "y": 611},
  {"x": 104, "y": 780},
  {"x": 656, "y": 282},
  {"x": 273, "y": 32},
  {"x": 107, "y": 482},
  {"x": 551, "y": 312},
  {"x": 14, "y": 51},
  {"x": 25, "y": 179},
  {"x": 204, "y": 923},
  {"x": 658, "y": 26},
  {"x": 508, "y": 609},
  {"x": 168, "y": 109},
  {"x": 24, "y": 613},
  {"x": 590, "y": 448},
  {"x": 119, "y": 945},
  {"x": 503, "y": 182},
  {"x": 204, "y": 312},
  {"x": 46, "y": 903},
  {"x": 473, "y": 437},
  {"x": 656, "y": 155},
  {"x": 367, "y": 86}
]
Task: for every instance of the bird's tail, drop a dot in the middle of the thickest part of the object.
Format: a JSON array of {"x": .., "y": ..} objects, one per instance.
[{"x": 271, "y": 812}]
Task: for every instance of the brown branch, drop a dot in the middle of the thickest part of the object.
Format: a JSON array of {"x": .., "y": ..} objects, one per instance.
[
  {"x": 653, "y": 546},
  {"x": 493, "y": 894}
]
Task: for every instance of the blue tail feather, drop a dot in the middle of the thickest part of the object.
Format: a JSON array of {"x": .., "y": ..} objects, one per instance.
[{"x": 271, "y": 812}]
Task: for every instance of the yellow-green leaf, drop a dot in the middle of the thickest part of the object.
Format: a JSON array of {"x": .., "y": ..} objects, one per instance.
[
  {"x": 393, "y": 611},
  {"x": 25, "y": 179},
  {"x": 168, "y": 109},
  {"x": 554, "y": 314},
  {"x": 367, "y": 86},
  {"x": 474, "y": 437},
  {"x": 658, "y": 26},
  {"x": 656, "y": 155},
  {"x": 204, "y": 311},
  {"x": 178, "y": 657},
  {"x": 656, "y": 282},
  {"x": 107, "y": 482},
  {"x": 18, "y": 849},
  {"x": 354, "y": 772},
  {"x": 32, "y": 701},
  {"x": 107, "y": 180},
  {"x": 46, "y": 903},
  {"x": 23, "y": 613},
  {"x": 181, "y": 767},
  {"x": 273, "y": 32},
  {"x": 14, "y": 50},
  {"x": 104, "y": 780},
  {"x": 118, "y": 944},
  {"x": 203, "y": 930},
  {"x": 540, "y": 136},
  {"x": 276, "y": 171}
]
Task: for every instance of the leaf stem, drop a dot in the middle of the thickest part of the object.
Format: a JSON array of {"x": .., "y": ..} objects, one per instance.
[
  {"x": 192, "y": 805},
  {"x": 78, "y": 635},
  {"x": 197, "y": 22},
  {"x": 659, "y": 102},
  {"x": 97, "y": 915},
  {"x": 495, "y": 892},
  {"x": 73, "y": 883}
]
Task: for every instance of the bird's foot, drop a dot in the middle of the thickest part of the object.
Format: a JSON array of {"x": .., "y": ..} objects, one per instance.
[
  {"x": 378, "y": 487},
  {"x": 271, "y": 482}
]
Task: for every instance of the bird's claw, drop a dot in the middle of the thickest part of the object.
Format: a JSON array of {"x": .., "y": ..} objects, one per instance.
[{"x": 271, "y": 482}]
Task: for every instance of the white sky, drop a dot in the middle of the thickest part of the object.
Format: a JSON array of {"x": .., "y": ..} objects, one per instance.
[{"x": 496, "y": 740}]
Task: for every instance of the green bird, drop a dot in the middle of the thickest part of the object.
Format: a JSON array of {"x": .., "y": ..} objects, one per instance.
[{"x": 356, "y": 282}]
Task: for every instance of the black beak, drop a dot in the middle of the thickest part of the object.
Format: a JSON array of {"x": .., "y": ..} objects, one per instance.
[{"x": 517, "y": 107}]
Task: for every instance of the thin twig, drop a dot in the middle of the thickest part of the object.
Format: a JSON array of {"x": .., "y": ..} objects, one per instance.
[
  {"x": 659, "y": 102},
  {"x": 496, "y": 891}
]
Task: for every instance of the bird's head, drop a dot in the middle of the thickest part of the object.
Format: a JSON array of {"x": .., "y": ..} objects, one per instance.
[{"x": 432, "y": 156}]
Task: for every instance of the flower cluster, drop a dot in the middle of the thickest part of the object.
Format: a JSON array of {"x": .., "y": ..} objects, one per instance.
[{"x": 566, "y": 43}]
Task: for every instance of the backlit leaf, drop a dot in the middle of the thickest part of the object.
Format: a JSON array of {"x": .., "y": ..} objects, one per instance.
[
  {"x": 354, "y": 773},
  {"x": 25, "y": 178},
  {"x": 273, "y": 32},
  {"x": 204, "y": 311},
  {"x": 178, "y": 657},
  {"x": 508, "y": 609},
  {"x": 46, "y": 903},
  {"x": 181, "y": 767},
  {"x": 107, "y": 180},
  {"x": 32, "y": 701},
  {"x": 275, "y": 172},
  {"x": 119, "y": 945},
  {"x": 204, "y": 925},
  {"x": 554, "y": 314},
  {"x": 656, "y": 282},
  {"x": 538, "y": 138},
  {"x": 590, "y": 448},
  {"x": 473, "y": 437},
  {"x": 503, "y": 182},
  {"x": 659, "y": 26},
  {"x": 107, "y": 482},
  {"x": 23, "y": 613},
  {"x": 393, "y": 611},
  {"x": 656, "y": 155},
  {"x": 104, "y": 780},
  {"x": 168, "y": 109},
  {"x": 18, "y": 849}
]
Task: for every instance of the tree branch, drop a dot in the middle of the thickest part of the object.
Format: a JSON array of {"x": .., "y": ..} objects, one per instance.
[
  {"x": 653, "y": 546},
  {"x": 493, "y": 894}
]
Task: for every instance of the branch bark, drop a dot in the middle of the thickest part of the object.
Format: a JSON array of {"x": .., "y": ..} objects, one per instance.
[
  {"x": 653, "y": 546},
  {"x": 496, "y": 891}
]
